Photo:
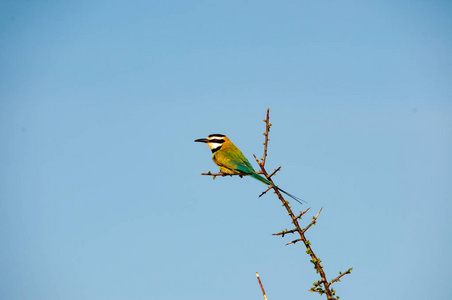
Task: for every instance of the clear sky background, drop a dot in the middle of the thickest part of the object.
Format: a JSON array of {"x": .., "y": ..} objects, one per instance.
[{"x": 101, "y": 195}]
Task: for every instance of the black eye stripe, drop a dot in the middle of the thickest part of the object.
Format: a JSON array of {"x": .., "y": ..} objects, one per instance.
[{"x": 218, "y": 141}]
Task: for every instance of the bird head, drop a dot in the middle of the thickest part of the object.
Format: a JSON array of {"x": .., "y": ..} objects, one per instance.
[{"x": 214, "y": 141}]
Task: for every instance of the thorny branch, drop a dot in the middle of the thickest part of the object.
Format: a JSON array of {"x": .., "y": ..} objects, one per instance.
[
  {"x": 323, "y": 286},
  {"x": 267, "y": 129}
]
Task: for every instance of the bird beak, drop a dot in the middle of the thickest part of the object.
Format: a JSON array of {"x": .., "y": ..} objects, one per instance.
[{"x": 201, "y": 140}]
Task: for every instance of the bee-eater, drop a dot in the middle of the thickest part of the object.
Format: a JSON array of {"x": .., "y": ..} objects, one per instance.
[{"x": 231, "y": 160}]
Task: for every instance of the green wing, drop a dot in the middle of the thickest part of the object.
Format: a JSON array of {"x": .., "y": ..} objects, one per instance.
[{"x": 233, "y": 160}]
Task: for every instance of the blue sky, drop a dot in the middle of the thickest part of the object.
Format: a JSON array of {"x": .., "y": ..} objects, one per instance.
[{"x": 101, "y": 195}]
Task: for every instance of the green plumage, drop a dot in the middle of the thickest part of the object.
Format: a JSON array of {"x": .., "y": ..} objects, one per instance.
[
  {"x": 261, "y": 179},
  {"x": 232, "y": 161}
]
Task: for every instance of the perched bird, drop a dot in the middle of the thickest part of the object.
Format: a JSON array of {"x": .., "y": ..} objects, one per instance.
[{"x": 231, "y": 160}]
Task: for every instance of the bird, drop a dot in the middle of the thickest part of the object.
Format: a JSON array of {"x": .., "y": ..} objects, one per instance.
[{"x": 231, "y": 160}]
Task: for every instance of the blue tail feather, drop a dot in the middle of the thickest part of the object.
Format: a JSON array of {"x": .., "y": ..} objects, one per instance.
[{"x": 268, "y": 182}]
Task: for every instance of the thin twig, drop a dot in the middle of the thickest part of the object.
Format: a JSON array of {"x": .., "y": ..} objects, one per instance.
[
  {"x": 313, "y": 221},
  {"x": 262, "y": 288},
  {"x": 274, "y": 172},
  {"x": 265, "y": 192},
  {"x": 302, "y": 213},
  {"x": 340, "y": 275},
  {"x": 267, "y": 129},
  {"x": 215, "y": 174},
  {"x": 284, "y": 232},
  {"x": 224, "y": 174}
]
